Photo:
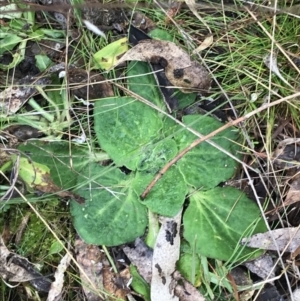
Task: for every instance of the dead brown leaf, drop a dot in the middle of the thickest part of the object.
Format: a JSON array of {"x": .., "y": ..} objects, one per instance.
[
  {"x": 172, "y": 11},
  {"x": 185, "y": 290},
  {"x": 48, "y": 186},
  {"x": 142, "y": 22},
  {"x": 205, "y": 44},
  {"x": 99, "y": 272},
  {"x": 141, "y": 257},
  {"x": 57, "y": 285},
  {"x": 263, "y": 266},
  {"x": 16, "y": 268},
  {"x": 89, "y": 85},
  {"x": 287, "y": 153},
  {"x": 180, "y": 70},
  {"x": 116, "y": 284},
  {"x": 91, "y": 260},
  {"x": 293, "y": 195},
  {"x": 287, "y": 239},
  {"x": 14, "y": 97}
]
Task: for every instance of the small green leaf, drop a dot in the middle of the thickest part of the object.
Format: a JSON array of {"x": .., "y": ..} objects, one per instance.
[
  {"x": 153, "y": 229},
  {"x": 161, "y": 34},
  {"x": 139, "y": 284},
  {"x": 190, "y": 268},
  {"x": 112, "y": 214},
  {"x": 17, "y": 24},
  {"x": 33, "y": 173},
  {"x": 64, "y": 162},
  {"x": 189, "y": 264},
  {"x": 9, "y": 42},
  {"x": 52, "y": 33},
  {"x": 185, "y": 99},
  {"x": 206, "y": 166},
  {"x": 55, "y": 248},
  {"x": 37, "y": 35},
  {"x": 123, "y": 127},
  {"x": 42, "y": 62},
  {"x": 217, "y": 219},
  {"x": 108, "y": 56}
]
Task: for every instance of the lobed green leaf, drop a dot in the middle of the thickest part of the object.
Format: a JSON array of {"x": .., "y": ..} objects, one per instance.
[{"x": 215, "y": 221}]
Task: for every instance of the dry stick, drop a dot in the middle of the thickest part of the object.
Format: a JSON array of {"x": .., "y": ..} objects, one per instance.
[{"x": 212, "y": 134}]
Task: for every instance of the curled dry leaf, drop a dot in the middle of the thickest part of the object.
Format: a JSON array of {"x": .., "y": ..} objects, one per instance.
[
  {"x": 185, "y": 290},
  {"x": 287, "y": 153},
  {"x": 205, "y": 44},
  {"x": 287, "y": 239},
  {"x": 141, "y": 257},
  {"x": 57, "y": 285},
  {"x": 262, "y": 266},
  {"x": 91, "y": 260},
  {"x": 14, "y": 97},
  {"x": 180, "y": 70},
  {"x": 97, "y": 275},
  {"x": 293, "y": 195},
  {"x": 15, "y": 268},
  {"x": 271, "y": 62}
]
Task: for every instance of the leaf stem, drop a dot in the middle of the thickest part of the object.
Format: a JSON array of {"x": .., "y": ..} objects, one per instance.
[
  {"x": 109, "y": 259},
  {"x": 37, "y": 107},
  {"x": 55, "y": 106}
]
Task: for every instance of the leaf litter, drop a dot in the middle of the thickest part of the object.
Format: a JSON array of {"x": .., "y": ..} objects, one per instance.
[
  {"x": 16, "y": 268},
  {"x": 97, "y": 276},
  {"x": 180, "y": 70},
  {"x": 284, "y": 240},
  {"x": 55, "y": 291}
]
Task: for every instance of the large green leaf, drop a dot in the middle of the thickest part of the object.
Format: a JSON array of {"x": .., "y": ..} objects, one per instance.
[
  {"x": 124, "y": 127},
  {"x": 64, "y": 160},
  {"x": 112, "y": 214},
  {"x": 168, "y": 194},
  {"x": 9, "y": 42},
  {"x": 206, "y": 166},
  {"x": 142, "y": 82},
  {"x": 215, "y": 221}
]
